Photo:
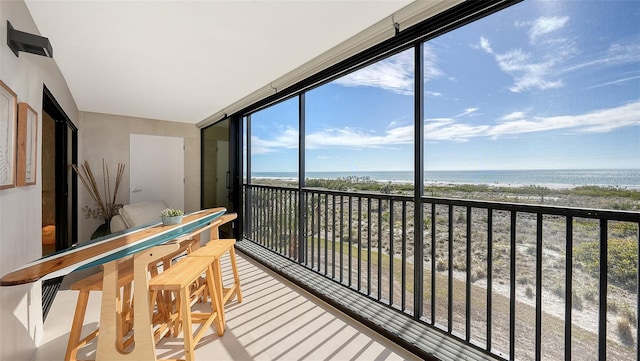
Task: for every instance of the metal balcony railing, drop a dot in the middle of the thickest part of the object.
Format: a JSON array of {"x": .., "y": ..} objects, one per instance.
[{"x": 516, "y": 281}]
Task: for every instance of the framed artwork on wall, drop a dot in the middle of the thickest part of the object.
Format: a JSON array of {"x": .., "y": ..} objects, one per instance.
[
  {"x": 27, "y": 145},
  {"x": 8, "y": 119}
]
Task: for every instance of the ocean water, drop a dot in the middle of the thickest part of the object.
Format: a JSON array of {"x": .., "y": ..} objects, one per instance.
[{"x": 553, "y": 178}]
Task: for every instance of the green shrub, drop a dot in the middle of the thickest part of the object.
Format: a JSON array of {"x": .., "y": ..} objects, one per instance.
[
  {"x": 622, "y": 261},
  {"x": 595, "y": 191},
  {"x": 386, "y": 188},
  {"x": 590, "y": 295},
  {"x": 558, "y": 290},
  {"x": 624, "y": 331},
  {"x": 529, "y": 292},
  {"x": 576, "y": 301},
  {"x": 623, "y": 228},
  {"x": 629, "y": 313},
  {"x": 477, "y": 274}
]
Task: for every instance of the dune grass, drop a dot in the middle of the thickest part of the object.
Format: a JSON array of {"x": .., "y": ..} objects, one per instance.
[{"x": 553, "y": 327}]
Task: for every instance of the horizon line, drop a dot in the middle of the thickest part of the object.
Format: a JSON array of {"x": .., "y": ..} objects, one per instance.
[{"x": 450, "y": 170}]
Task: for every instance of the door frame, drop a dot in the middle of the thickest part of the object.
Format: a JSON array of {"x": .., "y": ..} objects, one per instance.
[
  {"x": 65, "y": 237},
  {"x": 233, "y": 176}
]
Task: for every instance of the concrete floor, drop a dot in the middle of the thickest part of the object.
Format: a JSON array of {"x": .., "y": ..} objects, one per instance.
[{"x": 276, "y": 321}]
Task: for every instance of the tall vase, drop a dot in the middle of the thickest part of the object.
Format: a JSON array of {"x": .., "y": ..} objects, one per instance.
[{"x": 103, "y": 230}]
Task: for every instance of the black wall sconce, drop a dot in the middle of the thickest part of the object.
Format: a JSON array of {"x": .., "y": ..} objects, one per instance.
[{"x": 34, "y": 44}]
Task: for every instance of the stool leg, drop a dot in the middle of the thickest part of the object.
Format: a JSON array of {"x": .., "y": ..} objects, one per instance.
[
  {"x": 120, "y": 324},
  {"x": 76, "y": 326},
  {"x": 219, "y": 288},
  {"x": 127, "y": 309},
  {"x": 177, "y": 325},
  {"x": 236, "y": 278},
  {"x": 216, "y": 300},
  {"x": 187, "y": 329}
]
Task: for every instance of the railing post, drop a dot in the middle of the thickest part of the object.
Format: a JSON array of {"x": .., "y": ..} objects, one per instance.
[
  {"x": 433, "y": 262},
  {"x": 539, "y": 237},
  {"x": 391, "y": 250},
  {"x": 450, "y": 269},
  {"x": 568, "y": 287},
  {"x": 468, "y": 279},
  {"x": 512, "y": 288},
  {"x": 638, "y": 296},
  {"x": 489, "y": 277},
  {"x": 602, "y": 312},
  {"x": 248, "y": 224}
]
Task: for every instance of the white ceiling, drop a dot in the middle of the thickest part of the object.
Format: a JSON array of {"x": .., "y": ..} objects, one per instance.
[{"x": 185, "y": 60}]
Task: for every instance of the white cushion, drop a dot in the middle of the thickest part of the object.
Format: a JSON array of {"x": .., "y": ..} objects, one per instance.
[
  {"x": 117, "y": 224},
  {"x": 142, "y": 213}
]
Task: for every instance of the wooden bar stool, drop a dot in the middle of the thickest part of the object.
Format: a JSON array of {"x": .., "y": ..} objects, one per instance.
[
  {"x": 179, "y": 280},
  {"x": 214, "y": 250},
  {"x": 163, "y": 299},
  {"x": 224, "y": 219},
  {"x": 125, "y": 279},
  {"x": 125, "y": 320}
]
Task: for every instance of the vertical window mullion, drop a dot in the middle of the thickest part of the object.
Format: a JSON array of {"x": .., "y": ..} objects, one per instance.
[
  {"x": 301, "y": 179},
  {"x": 418, "y": 181}
]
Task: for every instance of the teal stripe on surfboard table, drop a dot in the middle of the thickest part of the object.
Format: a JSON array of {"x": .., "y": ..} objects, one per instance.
[
  {"x": 154, "y": 240},
  {"x": 124, "y": 250}
]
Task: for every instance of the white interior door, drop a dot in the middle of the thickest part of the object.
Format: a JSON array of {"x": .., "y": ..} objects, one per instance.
[{"x": 157, "y": 169}]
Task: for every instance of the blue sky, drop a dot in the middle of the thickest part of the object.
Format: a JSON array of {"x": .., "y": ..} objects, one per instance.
[{"x": 541, "y": 85}]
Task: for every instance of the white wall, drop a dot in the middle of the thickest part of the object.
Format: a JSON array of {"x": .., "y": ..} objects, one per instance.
[
  {"x": 21, "y": 208},
  {"x": 106, "y": 136},
  {"x": 100, "y": 136}
]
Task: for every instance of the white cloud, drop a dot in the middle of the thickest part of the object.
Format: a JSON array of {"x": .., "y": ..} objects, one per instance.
[
  {"x": 449, "y": 129},
  {"x": 537, "y": 68},
  {"x": 347, "y": 137},
  {"x": 615, "y": 82},
  {"x": 515, "y": 123},
  {"x": 620, "y": 53},
  {"x": 598, "y": 121},
  {"x": 513, "y": 116},
  {"x": 513, "y": 60},
  {"x": 395, "y": 74},
  {"x": 466, "y": 112},
  {"x": 546, "y": 25},
  {"x": 441, "y": 121},
  {"x": 485, "y": 45},
  {"x": 356, "y": 138},
  {"x": 526, "y": 73},
  {"x": 458, "y": 132},
  {"x": 288, "y": 138}
]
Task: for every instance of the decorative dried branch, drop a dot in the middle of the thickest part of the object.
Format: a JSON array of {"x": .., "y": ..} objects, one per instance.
[{"x": 109, "y": 209}]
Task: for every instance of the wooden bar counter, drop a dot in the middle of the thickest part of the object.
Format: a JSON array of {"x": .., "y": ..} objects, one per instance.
[{"x": 146, "y": 244}]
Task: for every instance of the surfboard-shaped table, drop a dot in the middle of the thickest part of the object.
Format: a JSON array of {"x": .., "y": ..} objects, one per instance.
[
  {"x": 108, "y": 248},
  {"x": 147, "y": 244}
]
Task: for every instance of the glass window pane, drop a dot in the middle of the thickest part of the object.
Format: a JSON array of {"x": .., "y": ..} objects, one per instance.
[
  {"x": 537, "y": 101},
  {"x": 274, "y": 142},
  {"x": 361, "y": 125},
  {"x": 540, "y": 104}
]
